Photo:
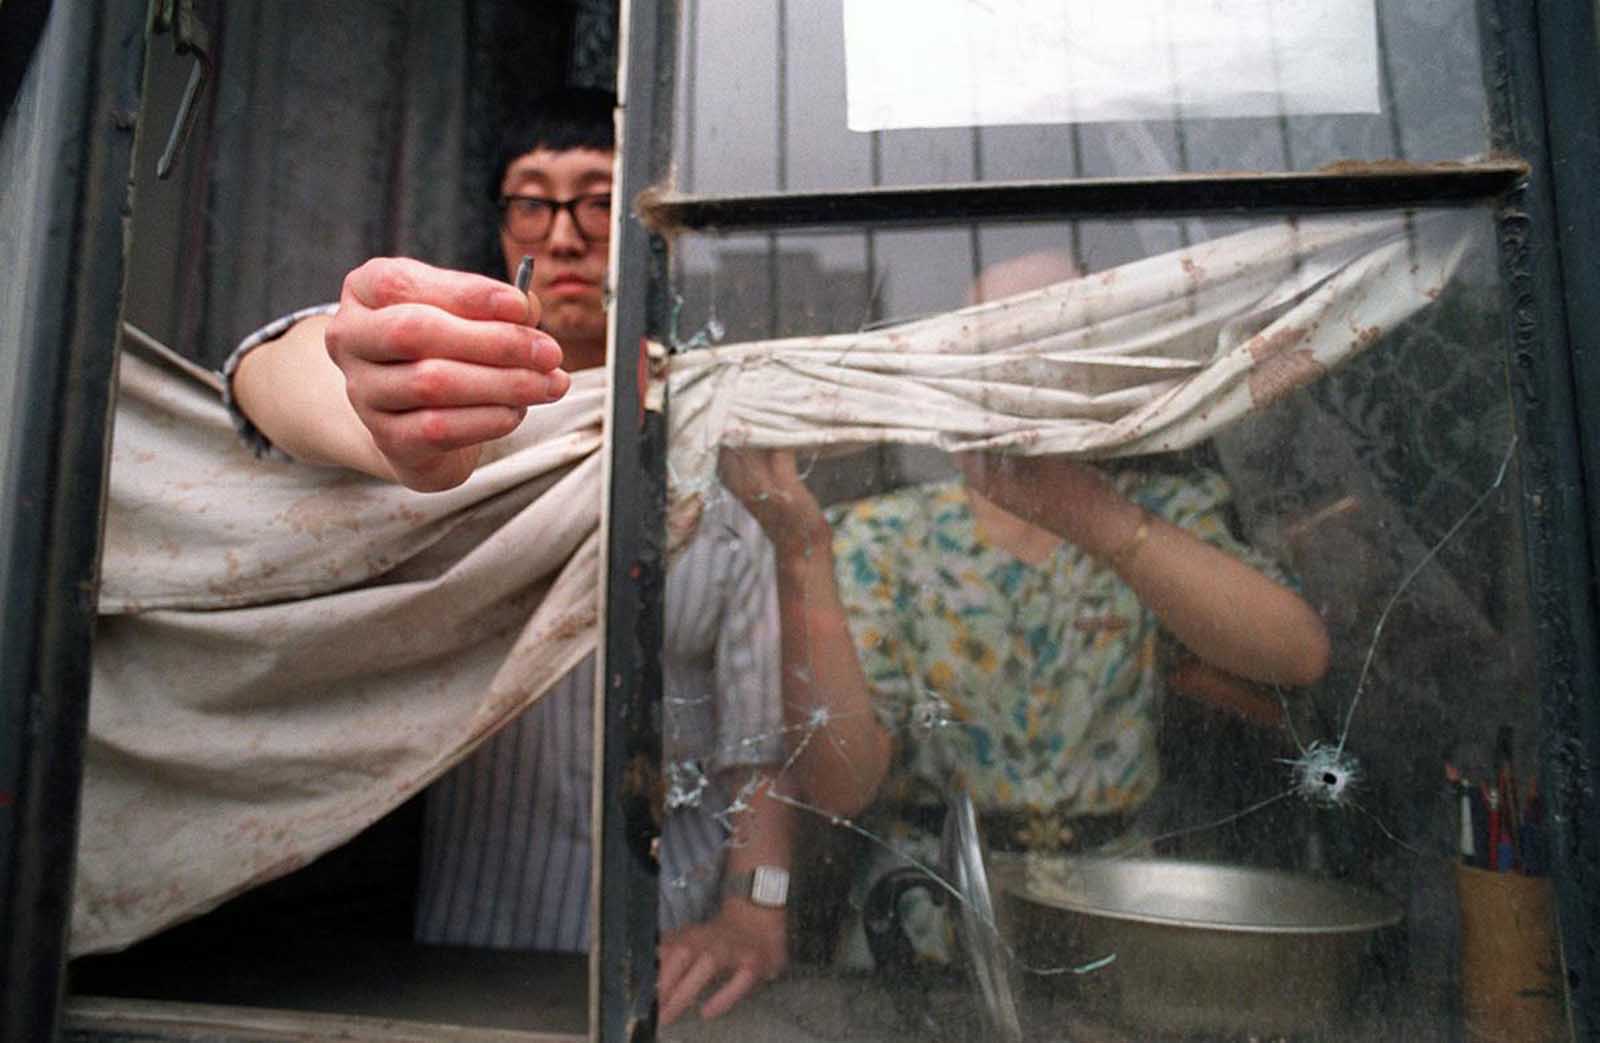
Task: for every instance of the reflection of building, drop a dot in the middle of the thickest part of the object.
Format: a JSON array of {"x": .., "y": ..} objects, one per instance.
[{"x": 754, "y": 293}]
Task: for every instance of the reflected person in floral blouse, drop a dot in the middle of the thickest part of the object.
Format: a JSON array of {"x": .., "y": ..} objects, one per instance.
[{"x": 1004, "y": 632}]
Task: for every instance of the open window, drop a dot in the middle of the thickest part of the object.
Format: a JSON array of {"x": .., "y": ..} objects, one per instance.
[
  {"x": 291, "y": 143},
  {"x": 1421, "y": 480}
]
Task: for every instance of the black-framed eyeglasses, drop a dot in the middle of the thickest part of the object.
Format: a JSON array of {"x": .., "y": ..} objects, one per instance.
[{"x": 528, "y": 219}]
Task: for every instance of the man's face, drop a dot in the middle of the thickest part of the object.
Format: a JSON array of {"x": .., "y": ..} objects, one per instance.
[{"x": 569, "y": 270}]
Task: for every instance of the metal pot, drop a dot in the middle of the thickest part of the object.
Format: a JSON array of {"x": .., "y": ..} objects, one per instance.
[{"x": 1196, "y": 946}]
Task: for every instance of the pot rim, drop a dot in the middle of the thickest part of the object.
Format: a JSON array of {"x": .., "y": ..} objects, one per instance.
[{"x": 1380, "y": 910}]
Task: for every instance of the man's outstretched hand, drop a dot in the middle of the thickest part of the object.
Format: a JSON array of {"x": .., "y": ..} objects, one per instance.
[{"x": 437, "y": 362}]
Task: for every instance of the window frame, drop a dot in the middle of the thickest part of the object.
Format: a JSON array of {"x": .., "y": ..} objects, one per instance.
[
  {"x": 1547, "y": 229},
  {"x": 85, "y": 80},
  {"x": 1540, "y": 69}
]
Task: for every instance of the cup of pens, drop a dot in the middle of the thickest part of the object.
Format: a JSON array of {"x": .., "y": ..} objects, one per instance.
[{"x": 1511, "y": 986}]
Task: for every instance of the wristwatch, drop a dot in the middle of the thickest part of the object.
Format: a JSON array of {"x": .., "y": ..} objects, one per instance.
[{"x": 766, "y": 886}]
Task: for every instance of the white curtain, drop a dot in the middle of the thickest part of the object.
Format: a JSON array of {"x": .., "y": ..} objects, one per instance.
[
  {"x": 285, "y": 653},
  {"x": 1150, "y": 356}
]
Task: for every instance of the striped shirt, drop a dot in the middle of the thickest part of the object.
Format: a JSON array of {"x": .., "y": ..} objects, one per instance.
[{"x": 507, "y": 838}]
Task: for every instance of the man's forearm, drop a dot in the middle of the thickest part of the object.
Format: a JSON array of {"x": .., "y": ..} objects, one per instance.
[{"x": 291, "y": 390}]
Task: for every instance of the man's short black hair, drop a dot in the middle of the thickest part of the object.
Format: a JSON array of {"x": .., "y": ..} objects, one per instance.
[{"x": 568, "y": 118}]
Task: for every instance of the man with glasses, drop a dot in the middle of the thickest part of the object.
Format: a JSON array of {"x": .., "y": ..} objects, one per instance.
[{"x": 413, "y": 373}]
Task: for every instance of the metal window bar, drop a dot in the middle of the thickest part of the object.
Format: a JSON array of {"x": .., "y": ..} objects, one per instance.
[
  {"x": 1542, "y": 88},
  {"x": 628, "y": 757},
  {"x": 1352, "y": 186},
  {"x": 781, "y": 103},
  {"x": 71, "y": 114}
]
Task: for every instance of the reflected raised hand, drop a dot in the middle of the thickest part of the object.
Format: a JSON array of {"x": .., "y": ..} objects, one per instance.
[
  {"x": 768, "y": 483},
  {"x": 1063, "y": 495}
]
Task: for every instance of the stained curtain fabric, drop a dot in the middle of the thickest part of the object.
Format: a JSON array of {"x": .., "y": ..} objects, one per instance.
[
  {"x": 1146, "y": 357},
  {"x": 286, "y": 653}
]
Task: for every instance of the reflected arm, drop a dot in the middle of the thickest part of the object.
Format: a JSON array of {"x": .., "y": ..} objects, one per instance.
[
  {"x": 840, "y": 750},
  {"x": 1220, "y": 608},
  {"x": 743, "y": 944},
  {"x": 762, "y": 831}
]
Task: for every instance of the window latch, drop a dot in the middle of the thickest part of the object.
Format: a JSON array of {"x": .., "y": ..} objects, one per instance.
[{"x": 189, "y": 36}]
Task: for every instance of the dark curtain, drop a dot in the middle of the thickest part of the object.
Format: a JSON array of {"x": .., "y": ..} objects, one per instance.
[{"x": 333, "y": 132}]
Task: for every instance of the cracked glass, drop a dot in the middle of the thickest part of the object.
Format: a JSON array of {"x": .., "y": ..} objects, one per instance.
[
  {"x": 1304, "y": 836},
  {"x": 1153, "y": 644}
]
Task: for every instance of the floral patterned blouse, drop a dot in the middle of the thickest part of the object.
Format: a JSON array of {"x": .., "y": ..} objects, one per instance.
[{"x": 1034, "y": 685}]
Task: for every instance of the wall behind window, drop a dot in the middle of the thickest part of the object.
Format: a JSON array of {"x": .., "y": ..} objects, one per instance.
[{"x": 330, "y": 133}]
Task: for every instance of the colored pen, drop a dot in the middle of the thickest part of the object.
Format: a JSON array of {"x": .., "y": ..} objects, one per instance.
[{"x": 1505, "y": 856}]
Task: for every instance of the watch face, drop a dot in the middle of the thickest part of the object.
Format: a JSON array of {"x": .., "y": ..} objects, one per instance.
[{"x": 769, "y": 886}]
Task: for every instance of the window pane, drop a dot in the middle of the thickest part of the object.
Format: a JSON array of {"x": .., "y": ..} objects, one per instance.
[
  {"x": 1197, "y": 818},
  {"x": 766, "y": 91}
]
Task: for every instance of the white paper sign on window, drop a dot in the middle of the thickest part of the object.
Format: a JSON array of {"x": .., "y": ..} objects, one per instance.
[{"x": 959, "y": 63}]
